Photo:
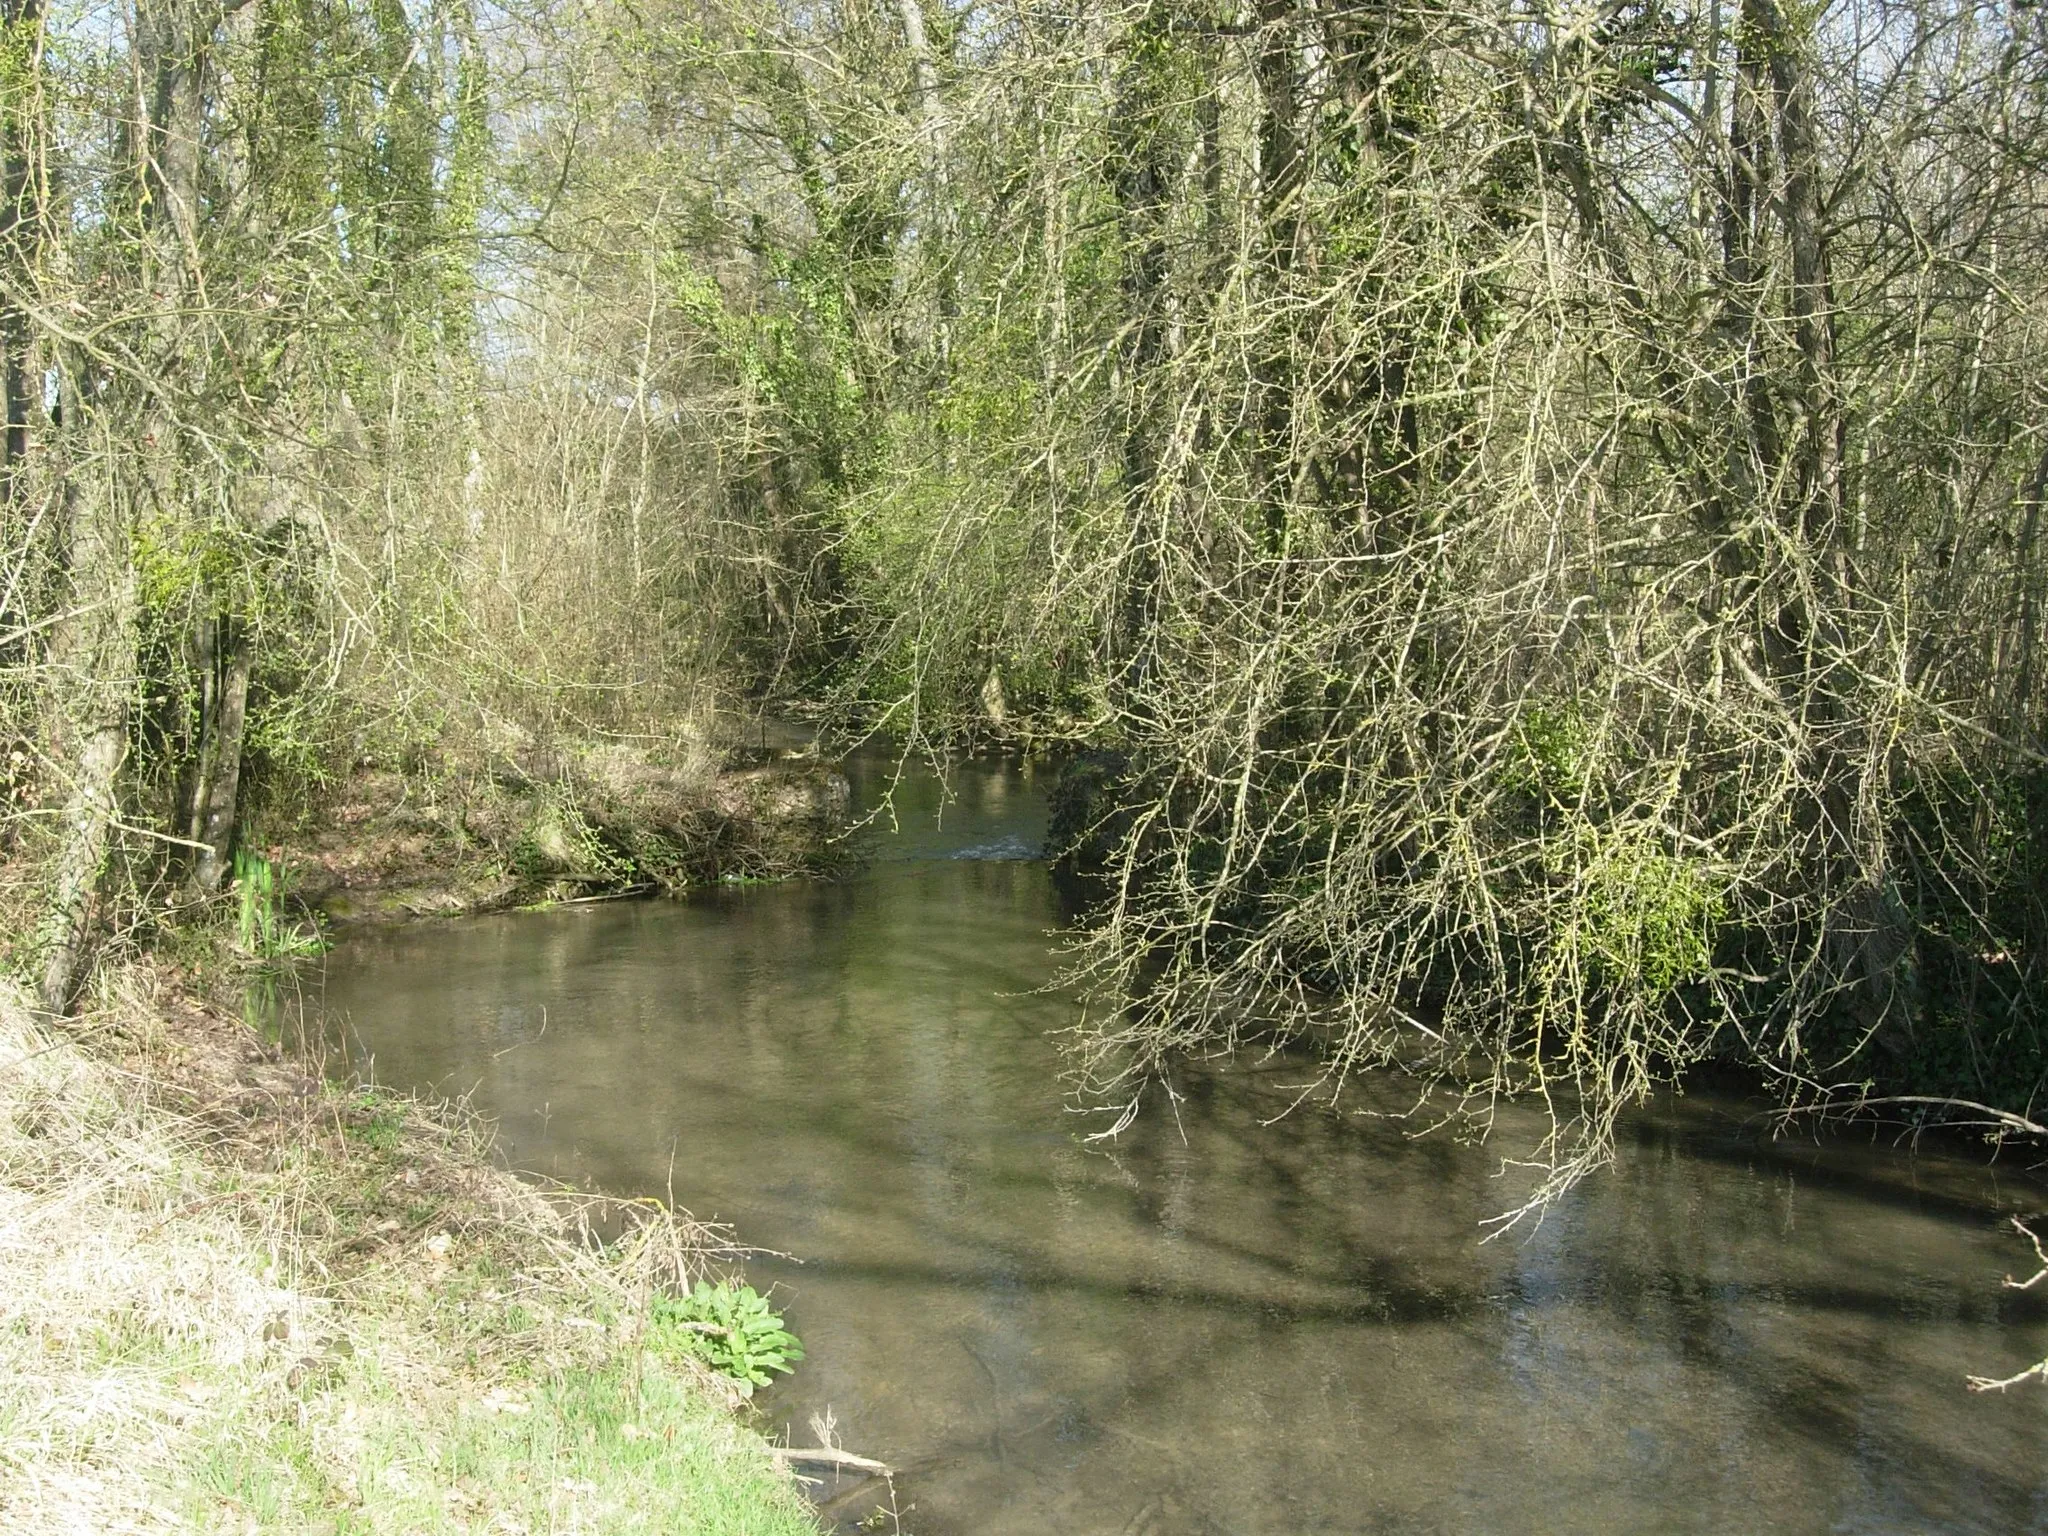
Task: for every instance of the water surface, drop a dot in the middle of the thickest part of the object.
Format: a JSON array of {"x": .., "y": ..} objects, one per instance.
[{"x": 1218, "y": 1324}]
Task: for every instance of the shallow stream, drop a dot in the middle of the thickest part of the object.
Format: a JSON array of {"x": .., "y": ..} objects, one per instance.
[{"x": 1219, "y": 1325}]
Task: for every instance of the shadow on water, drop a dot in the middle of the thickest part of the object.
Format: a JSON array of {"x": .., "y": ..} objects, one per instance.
[{"x": 1254, "y": 1328}]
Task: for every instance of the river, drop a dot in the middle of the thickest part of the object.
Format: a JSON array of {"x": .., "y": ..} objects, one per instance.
[{"x": 1217, "y": 1324}]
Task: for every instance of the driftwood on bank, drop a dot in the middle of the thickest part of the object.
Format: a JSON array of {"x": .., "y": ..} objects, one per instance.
[{"x": 827, "y": 1456}]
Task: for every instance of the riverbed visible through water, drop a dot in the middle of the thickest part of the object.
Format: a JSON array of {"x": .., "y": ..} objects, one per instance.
[{"x": 1216, "y": 1323}]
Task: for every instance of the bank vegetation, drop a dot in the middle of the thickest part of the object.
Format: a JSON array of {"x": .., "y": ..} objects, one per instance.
[
  {"x": 1526, "y": 518},
  {"x": 241, "y": 1298}
]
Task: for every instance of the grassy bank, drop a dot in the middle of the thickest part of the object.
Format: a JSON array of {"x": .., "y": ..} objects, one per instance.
[{"x": 238, "y": 1297}]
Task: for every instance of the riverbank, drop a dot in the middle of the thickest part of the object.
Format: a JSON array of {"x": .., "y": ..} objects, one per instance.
[
  {"x": 242, "y": 1297},
  {"x": 473, "y": 832}
]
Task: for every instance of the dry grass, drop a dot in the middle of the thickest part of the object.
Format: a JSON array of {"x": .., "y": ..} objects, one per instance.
[{"x": 237, "y": 1297}]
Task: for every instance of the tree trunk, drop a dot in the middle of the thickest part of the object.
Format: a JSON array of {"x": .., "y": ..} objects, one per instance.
[
  {"x": 170, "y": 42},
  {"x": 1369, "y": 471},
  {"x": 91, "y": 658},
  {"x": 95, "y": 686},
  {"x": 20, "y": 21},
  {"x": 99, "y": 665},
  {"x": 1141, "y": 175},
  {"x": 1282, "y": 178},
  {"x": 1868, "y": 929},
  {"x": 225, "y": 659},
  {"x": 930, "y": 110}
]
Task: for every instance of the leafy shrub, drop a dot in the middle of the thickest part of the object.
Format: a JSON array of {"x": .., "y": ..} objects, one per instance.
[
  {"x": 1549, "y": 755},
  {"x": 731, "y": 1328},
  {"x": 561, "y": 840},
  {"x": 1640, "y": 916}
]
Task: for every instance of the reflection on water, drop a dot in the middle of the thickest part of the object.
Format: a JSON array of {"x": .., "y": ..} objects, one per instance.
[{"x": 1254, "y": 1329}]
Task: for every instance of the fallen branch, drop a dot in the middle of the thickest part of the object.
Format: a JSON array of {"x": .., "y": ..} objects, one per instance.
[
  {"x": 2002, "y": 1117},
  {"x": 826, "y": 1456},
  {"x": 2040, "y": 1253},
  {"x": 622, "y": 894},
  {"x": 2032, "y": 1372},
  {"x": 1990, "y": 1384}
]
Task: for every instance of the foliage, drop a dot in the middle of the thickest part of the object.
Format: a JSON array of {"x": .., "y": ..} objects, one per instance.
[
  {"x": 261, "y": 927},
  {"x": 561, "y": 840},
  {"x": 1645, "y": 916},
  {"x": 731, "y": 1328},
  {"x": 1523, "y": 551}
]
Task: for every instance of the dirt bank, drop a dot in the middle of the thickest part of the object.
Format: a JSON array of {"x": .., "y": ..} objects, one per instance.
[{"x": 532, "y": 825}]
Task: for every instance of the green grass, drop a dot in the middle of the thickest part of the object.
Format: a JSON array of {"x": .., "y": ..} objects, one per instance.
[{"x": 620, "y": 1448}]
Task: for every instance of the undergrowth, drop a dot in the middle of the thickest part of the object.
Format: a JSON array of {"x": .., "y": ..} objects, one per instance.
[{"x": 240, "y": 1298}]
